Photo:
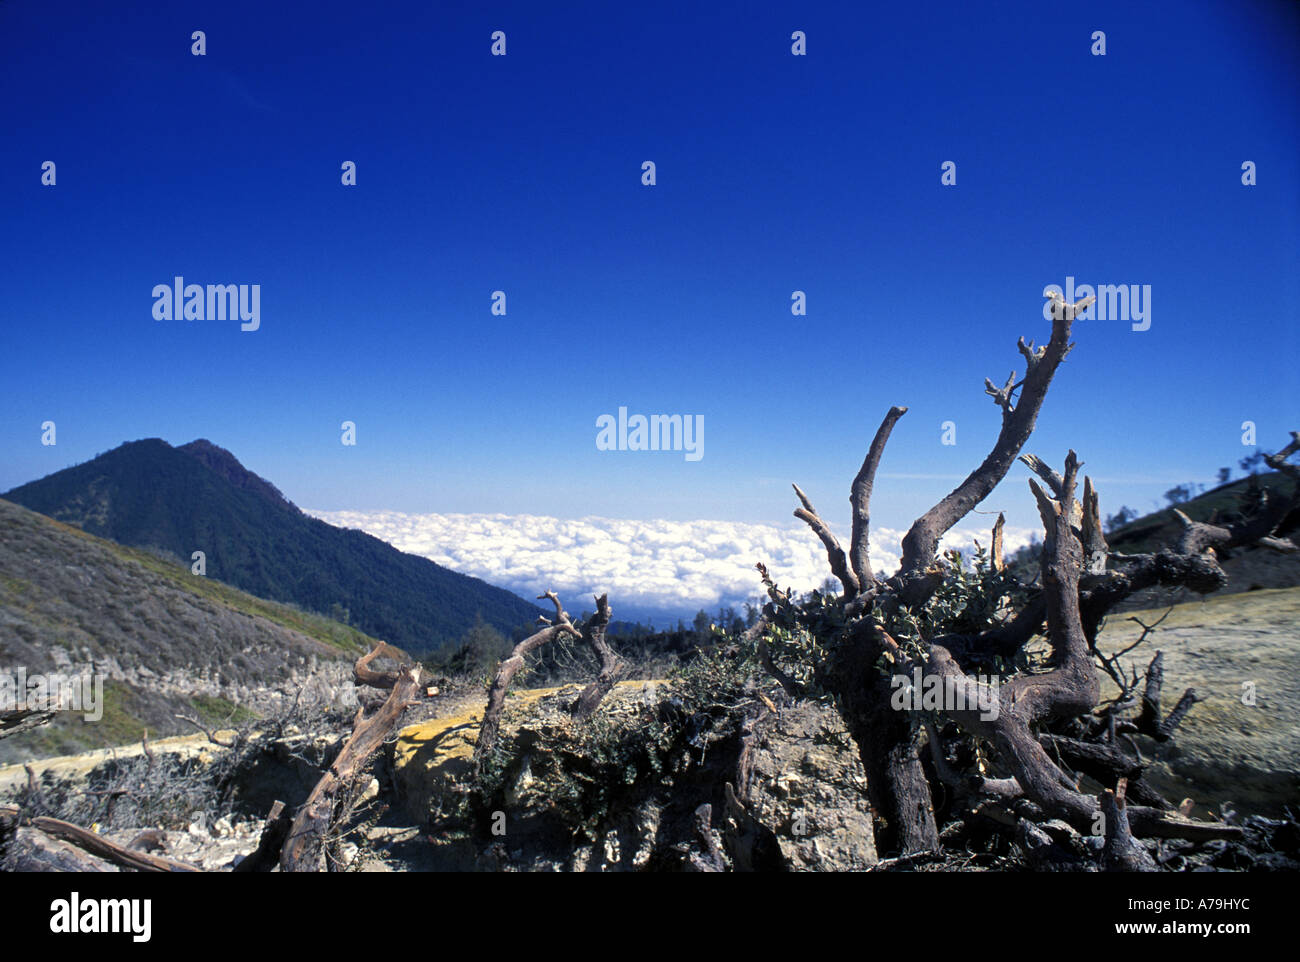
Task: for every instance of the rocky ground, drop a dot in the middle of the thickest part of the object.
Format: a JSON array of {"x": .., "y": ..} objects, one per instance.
[
  {"x": 1240, "y": 745},
  {"x": 763, "y": 785}
]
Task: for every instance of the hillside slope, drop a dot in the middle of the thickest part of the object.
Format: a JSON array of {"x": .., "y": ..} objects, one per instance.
[
  {"x": 166, "y": 641},
  {"x": 1225, "y": 502},
  {"x": 1248, "y": 569},
  {"x": 198, "y": 497},
  {"x": 1241, "y": 742}
]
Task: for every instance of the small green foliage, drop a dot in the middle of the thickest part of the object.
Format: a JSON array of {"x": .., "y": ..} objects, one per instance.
[
  {"x": 590, "y": 771},
  {"x": 971, "y": 599},
  {"x": 805, "y": 632}
]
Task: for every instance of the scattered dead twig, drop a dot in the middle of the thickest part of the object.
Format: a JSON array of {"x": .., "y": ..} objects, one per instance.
[
  {"x": 212, "y": 737},
  {"x": 305, "y": 843}
]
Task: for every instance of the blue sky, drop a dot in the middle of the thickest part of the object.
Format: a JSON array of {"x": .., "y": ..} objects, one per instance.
[{"x": 522, "y": 173}]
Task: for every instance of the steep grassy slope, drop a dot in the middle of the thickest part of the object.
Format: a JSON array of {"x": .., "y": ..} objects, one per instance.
[{"x": 166, "y": 641}]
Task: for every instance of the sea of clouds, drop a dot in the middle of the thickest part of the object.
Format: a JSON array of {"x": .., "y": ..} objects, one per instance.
[{"x": 651, "y": 569}]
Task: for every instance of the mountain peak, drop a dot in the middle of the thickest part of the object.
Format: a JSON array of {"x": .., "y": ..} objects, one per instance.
[
  {"x": 198, "y": 497},
  {"x": 225, "y": 465}
]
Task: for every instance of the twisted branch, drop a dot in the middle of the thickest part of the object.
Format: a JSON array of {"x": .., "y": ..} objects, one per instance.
[
  {"x": 593, "y": 633},
  {"x": 491, "y": 726}
]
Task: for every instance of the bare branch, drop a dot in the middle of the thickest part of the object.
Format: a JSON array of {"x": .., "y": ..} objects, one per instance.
[
  {"x": 364, "y": 675},
  {"x": 860, "y": 498},
  {"x": 561, "y": 615},
  {"x": 510, "y": 667},
  {"x": 1043, "y": 470},
  {"x": 102, "y": 847},
  {"x": 999, "y": 564},
  {"x": 1278, "y": 462},
  {"x": 593, "y": 633},
  {"x": 834, "y": 553},
  {"x": 1002, "y": 395},
  {"x": 212, "y": 737},
  {"x": 1071, "y": 687},
  {"x": 19, "y": 720},
  {"x": 922, "y": 539},
  {"x": 1197, "y": 535},
  {"x": 1095, "y": 549}
]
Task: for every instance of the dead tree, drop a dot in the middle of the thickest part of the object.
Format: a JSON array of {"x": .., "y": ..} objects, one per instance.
[
  {"x": 304, "y": 844},
  {"x": 1081, "y": 581},
  {"x": 592, "y": 632},
  {"x": 506, "y": 671}
]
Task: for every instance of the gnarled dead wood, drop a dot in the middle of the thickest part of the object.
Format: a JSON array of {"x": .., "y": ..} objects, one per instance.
[
  {"x": 1018, "y": 418},
  {"x": 20, "y": 720},
  {"x": 593, "y": 633},
  {"x": 31, "y": 850},
  {"x": 1106, "y": 763},
  {"x": 1262, "y": 527},
  {"x": 1149, "y": 721},
  {"x": 1122, "y": 852},
  {"x": 1069, "y": 689},
  {"x": 110, "y": 851},
  {"x": 888, "y": 740},
  {"x": 1081, "y": 581},
  {"x": 711, "y": 860},
  {"x": 1278, "y": 462},
  {"x": 1095, "y": 550},
  {"x": 487, "y": 733},
  {"x": 305, "y": 844},
  {"x": 365, "y": 675},
  {"x": 274, "y": 831}
]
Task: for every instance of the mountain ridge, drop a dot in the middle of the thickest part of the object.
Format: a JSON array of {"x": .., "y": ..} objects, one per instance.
[{"x": 177, "y": 501}]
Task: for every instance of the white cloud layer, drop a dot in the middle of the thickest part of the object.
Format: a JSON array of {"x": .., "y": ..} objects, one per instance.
[{"x": 649, "y": 568}]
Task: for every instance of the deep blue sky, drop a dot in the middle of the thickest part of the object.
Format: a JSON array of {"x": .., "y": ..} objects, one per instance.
[{"x": 775, "y": 173}]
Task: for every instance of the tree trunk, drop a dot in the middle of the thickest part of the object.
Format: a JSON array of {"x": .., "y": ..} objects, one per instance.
[{"x": 897, "y": 785}]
